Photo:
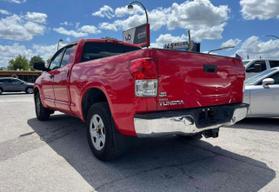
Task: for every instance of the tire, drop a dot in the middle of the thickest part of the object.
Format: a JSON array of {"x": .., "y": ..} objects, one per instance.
[
  {"x": 104, "y": 140},
  {"x": 42, "y": 113},
  {"x": 191, "y": 137},
  {"x": 1, "y": 91},
  {"x": 29, "y": 90}
]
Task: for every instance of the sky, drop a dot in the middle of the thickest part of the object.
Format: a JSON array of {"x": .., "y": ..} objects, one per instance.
[{"x": 33, "y": 27}]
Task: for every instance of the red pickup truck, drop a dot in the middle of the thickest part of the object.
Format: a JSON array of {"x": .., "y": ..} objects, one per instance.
[{"x": 121, "y": 90}]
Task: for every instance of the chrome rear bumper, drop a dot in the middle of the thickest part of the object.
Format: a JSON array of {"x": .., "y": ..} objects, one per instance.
[{"x": 187, "y": 121}]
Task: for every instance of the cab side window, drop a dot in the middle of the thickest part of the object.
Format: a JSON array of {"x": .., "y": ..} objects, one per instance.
[
  {"x": 256, "y": 67},
  {"x": 16, "y": 82},
  {"x": 274, "y": 64},
  {"x": 68, "y": 56},
  {"x": 4, "y": 81},
  {"x": 55, "y": 62}
]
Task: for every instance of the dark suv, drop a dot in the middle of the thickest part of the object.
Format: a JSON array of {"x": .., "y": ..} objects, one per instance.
[{"x": 9, "y": 84}]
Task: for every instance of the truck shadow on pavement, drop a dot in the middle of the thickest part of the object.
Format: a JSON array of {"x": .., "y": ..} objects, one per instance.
[
  {"x": 265, "y": 124},
  {"x": 161, "y": 164}
]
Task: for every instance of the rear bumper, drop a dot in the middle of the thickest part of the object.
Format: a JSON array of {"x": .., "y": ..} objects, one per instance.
[{"x": 189, "y": 121}]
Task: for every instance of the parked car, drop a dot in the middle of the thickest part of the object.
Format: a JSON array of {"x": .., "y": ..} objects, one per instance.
[
  {"x": 254, "y": 67},
  {"x": 121, "y": 90},
  {"x": 9, "y": 84},
  {"x": 262, "y": 93}
]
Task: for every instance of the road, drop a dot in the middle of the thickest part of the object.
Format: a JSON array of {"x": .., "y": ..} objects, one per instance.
[{"x": 54, "y": 156}]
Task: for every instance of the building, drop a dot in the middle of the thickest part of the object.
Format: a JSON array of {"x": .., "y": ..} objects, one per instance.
[{"x": 29, "y": 76}]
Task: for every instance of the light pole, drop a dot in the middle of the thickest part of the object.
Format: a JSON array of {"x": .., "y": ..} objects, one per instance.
[
  {"x": 130, "y": 6},
  {"x": 220, "y": 49},
  {"x": 58, "y": 43}
]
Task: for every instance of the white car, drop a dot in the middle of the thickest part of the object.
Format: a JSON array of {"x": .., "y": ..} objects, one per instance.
[
  {"x": 262, "y": 93},
  {"x": 254, "y": 67}
]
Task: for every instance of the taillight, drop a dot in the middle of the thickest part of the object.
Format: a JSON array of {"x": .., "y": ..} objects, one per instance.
[
  {"x": 143, "y": 68},
  {"x": 146, "y": 88},
  {"x": 144, "y": 71}
]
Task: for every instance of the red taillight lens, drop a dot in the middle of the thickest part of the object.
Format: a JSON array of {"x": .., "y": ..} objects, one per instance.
[{"x": 143, "y": 68}]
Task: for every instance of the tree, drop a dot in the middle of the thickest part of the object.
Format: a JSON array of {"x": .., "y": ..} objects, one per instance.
[
  {"x": 19, "y": 63},
  {"x": 35, "y": 59}
]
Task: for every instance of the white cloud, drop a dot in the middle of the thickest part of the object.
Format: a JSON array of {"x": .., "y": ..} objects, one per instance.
[
  {"x": 108, "y": 12},
  {"x": 231, "y": 43},
  {"x": 73, "y": 33},
  {"x": 89, "y": 29},
  {"x": 255, "y": 48},
  {"x": 8, "y": 52},
  {"x": 16, "y": 1},
  {"x": 105, "y": 11},
  {"x": 108, "y": 26},
  {"x": 66, "y": 23},
  {"x": 205, "y": 20},
  {"x": 80, "y": 32},
  {"x": 36, "y": 17},
  {"x": 157, "y": 19},
  {"x": 123, "y": 11},
  {"x": 45, "y": 51},
  {"x": 259, "y": 9},
  {"x": 4, "y": 12},
  {"x": 168, "y": 38},
  {"x": 22, "y": 27}
]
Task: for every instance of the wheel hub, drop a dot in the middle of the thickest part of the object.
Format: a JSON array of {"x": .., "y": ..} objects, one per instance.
[{"x": 97, "y": 132}]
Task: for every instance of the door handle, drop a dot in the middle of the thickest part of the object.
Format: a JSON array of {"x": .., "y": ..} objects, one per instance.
[{"x": 210, "y": 68}]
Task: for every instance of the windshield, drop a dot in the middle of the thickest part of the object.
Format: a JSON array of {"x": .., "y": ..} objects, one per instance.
[
  {"x": 97, "y": 50},
  {"x": 252, "y": 80}
]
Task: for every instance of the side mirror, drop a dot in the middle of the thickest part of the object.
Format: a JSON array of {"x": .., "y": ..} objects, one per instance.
[
  {"x": 40, "y": 66},
  {"x": 268, "y": 81}
]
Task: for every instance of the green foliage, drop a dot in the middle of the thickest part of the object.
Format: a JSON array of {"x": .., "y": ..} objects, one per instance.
[
  {"x": 19, "y": 63},
  {"x": 22, "y": 63},
  {"x": 35, "y": 59}
]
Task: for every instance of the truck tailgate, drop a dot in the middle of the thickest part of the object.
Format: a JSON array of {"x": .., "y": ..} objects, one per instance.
[{"x": 190, "y": 80}]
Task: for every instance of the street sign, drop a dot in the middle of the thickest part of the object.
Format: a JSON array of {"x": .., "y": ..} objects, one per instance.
[
  {"x": 139, "y": 35},
  {"x": 177, "y": 46},
  {"x": 183, "y": 46}
]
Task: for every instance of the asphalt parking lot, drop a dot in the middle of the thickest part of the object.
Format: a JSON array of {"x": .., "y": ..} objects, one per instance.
[{"x": 54, "y": 156}]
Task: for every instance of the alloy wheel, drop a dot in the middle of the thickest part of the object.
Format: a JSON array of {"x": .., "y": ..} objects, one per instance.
[
  {"x": 29, "y": 90},
  {"x": 97, "y": 132}
]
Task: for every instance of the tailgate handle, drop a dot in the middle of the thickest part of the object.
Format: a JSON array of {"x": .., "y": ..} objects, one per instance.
[{"x": 210, "y": 68}]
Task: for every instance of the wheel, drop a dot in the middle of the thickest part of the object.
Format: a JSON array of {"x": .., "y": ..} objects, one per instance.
[
  {"x": 1, "y": 91},
  {"x": 104, "y": 141},
  {"x": 29, "y": 90},
  {"x": 42, "y": 113}
]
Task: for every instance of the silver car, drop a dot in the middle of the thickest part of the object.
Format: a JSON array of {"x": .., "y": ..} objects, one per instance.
[
  {"x": 9, "y": 84},
  {"x": 262, "y": 93}
]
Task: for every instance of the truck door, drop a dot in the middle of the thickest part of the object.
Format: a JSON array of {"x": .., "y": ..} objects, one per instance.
[
  {"x": 16, "y": 85},
  {"x": 6, "y": 85},
  {"x": 61, "y": 80},
  {"x": 47, "y": 79},
  {"x": 265, "y": 100}
]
